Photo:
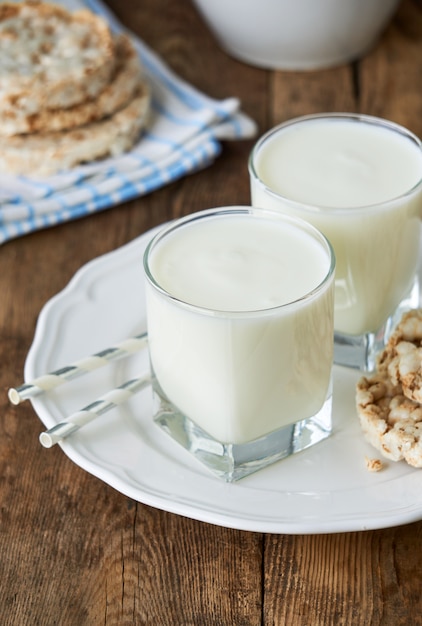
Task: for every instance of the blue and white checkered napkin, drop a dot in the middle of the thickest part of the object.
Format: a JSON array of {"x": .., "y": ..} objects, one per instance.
[{"x": 184, "y": 136}]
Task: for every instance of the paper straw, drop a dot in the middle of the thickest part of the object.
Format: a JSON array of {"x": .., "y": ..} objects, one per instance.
[
  {"x": 109, "y": 401},
  {"x": 50, "y": 381}
]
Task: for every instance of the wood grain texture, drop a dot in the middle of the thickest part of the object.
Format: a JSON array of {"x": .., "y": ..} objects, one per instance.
[{"x": 75, "y": 552}]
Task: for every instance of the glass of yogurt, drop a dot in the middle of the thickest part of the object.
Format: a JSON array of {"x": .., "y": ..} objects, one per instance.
[
  {"x": 358, "y": 179},
  {"x": 240, "y": 307}
]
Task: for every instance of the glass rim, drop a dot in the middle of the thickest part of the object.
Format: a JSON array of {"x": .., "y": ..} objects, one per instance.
[
  {"x": 358, "y": 117},
  {"x": 240, "y": 210}
]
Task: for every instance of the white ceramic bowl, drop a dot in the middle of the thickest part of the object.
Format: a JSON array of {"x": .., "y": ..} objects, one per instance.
[{"x": 296, "y": 34}]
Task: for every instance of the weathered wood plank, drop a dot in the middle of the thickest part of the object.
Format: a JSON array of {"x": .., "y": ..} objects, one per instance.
[{"x": 73, "y": 551}]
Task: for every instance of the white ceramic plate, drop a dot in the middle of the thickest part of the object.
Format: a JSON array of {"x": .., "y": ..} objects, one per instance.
[{"x": 322, "y": 490}]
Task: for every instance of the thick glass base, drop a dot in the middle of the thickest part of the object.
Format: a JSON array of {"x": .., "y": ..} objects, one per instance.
[
  {"x": 361, "y": 351},
  {"x": 231, "y": 461}
]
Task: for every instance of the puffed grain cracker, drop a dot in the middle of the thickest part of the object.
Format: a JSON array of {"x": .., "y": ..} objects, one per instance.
[
  {"x": 43, "y": 154},
  {"x": 115, "y": 95},
  {"x": 401, "y": 359},
  {"x": 51, "y": 58},
  {"x": 390, "y": 421}
]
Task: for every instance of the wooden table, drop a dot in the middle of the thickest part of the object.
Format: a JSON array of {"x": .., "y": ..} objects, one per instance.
[{"x": 73, "y": 551}]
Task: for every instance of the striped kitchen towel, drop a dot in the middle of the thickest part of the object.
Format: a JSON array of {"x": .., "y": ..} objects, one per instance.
[{"x": 184, "y": 136}]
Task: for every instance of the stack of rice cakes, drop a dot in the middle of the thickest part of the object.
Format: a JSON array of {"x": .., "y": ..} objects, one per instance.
[{"x": 70, "y": 91}]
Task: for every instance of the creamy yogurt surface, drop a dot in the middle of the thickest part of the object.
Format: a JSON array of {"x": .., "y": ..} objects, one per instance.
[
  {"x": 339, "y": 163},
  {"x": 239, "y": 264}
]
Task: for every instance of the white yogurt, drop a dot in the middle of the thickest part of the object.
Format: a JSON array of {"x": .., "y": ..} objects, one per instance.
[
  {"x": 238, "y": 345},
  {"x": 359, "y": 180}
]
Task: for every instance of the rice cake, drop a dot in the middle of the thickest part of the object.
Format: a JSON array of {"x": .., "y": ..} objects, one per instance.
[
  {"x": 401, "y": 359},
  {"x": 43, "y": 154},
  {"x": 116, "y": 94},
  {"x": 51, "y": 58},
  {"x": 389, "y": 403},
  {"x": 391, "y": 422}
]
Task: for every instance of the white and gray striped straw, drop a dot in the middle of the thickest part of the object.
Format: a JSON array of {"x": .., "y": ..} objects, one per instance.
[
  {"x": 52, "y": 380},
  {"x": 109, "y": 401}
]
